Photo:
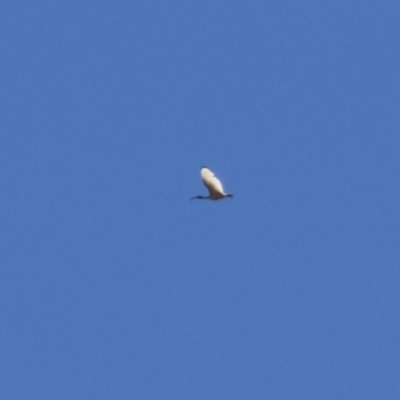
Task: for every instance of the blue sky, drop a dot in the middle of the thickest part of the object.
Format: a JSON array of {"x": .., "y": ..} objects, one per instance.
[{"x": 114, "y": 286}]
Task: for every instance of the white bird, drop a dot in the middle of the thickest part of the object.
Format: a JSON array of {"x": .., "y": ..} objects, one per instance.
[{"x": 213, "y": 184}]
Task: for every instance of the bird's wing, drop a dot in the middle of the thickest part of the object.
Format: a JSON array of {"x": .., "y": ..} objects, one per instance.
[{"x": 212, "y": 183}]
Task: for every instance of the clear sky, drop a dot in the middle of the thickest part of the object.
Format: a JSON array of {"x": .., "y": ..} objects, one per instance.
[{"x": 113, "y": 285}]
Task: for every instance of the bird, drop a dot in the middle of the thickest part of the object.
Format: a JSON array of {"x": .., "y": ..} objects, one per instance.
[{"x": 213, "y": 184}]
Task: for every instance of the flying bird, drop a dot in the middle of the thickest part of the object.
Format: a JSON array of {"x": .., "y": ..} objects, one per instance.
[{"x": 213, "y": 184}]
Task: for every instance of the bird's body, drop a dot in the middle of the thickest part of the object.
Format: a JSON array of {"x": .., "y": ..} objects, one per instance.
[{"x": 213, "y": 184}]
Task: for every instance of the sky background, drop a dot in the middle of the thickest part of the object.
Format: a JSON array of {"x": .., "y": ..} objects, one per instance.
[{"x": 113, "y": 285}]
